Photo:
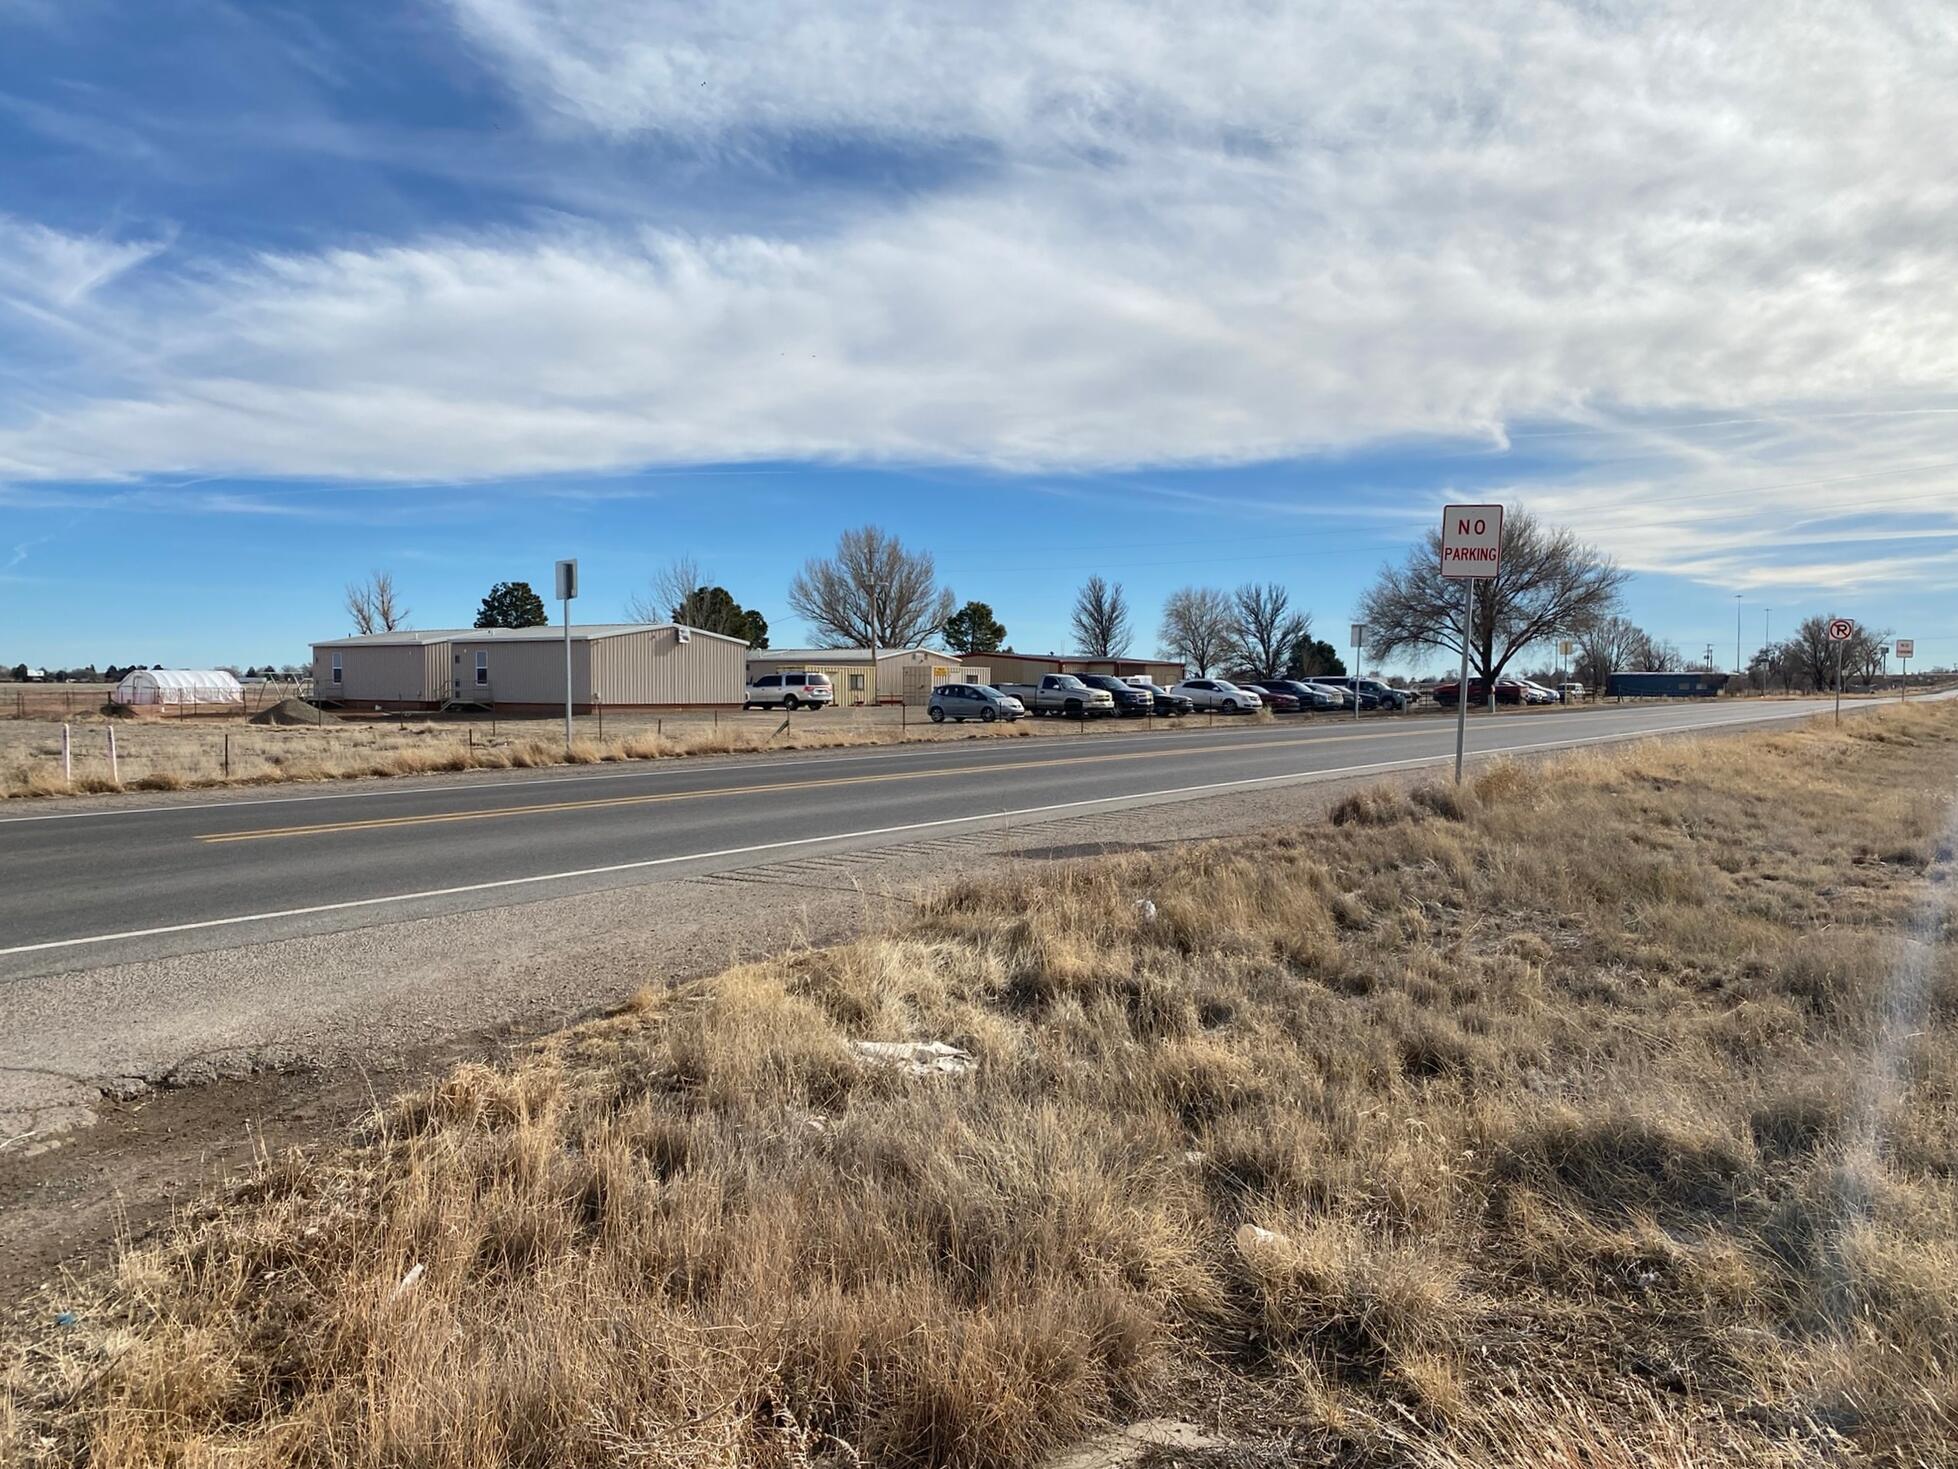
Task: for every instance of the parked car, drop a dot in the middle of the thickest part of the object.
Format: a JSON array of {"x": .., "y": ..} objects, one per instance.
[
  {"x": 1220, "y": 695},
  {"x": 1279, "y": 695},
  {"x": 1534, "y": 692},
  {"x": 1062, "y": 693},
  {"x": 790, "y": 690},
  {"x": 1571, "y": 693},
  {"x": 1167, "y": 704},
  {"x": 1309, "y": 695},
  {"x": 1508, "y": 691},
  {"x": 962, "y": 701},
  {"x": 1371, "y": 692},
  {"x": 1128, "y": 698}
]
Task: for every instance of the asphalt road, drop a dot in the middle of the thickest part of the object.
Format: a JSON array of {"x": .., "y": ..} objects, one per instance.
[{"x": 85, "y": 888}]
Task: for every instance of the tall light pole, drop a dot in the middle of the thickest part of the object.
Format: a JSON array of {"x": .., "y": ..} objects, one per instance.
[{"x": 1738, "y": 605}]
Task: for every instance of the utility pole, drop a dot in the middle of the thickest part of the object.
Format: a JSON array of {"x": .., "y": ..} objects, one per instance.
[
  {"x": 1738, "y": 606},
  {"x": 567, "y": 588}
]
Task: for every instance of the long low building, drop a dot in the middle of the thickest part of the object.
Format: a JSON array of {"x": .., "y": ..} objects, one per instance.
[
  {"x": 520, "y": 670},
  {"x": 905, "y": 674}
]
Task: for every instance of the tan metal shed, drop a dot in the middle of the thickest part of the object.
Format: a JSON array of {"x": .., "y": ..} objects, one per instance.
[{"x": 521, "y": 670}]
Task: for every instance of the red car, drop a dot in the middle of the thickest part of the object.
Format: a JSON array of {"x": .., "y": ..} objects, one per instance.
[{"x": 1508, "y": 691}]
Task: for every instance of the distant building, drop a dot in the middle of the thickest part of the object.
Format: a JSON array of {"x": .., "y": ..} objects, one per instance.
[
  {"x": 1698, "y": 684},
  {"x": 622, "y": 665},
  {"x": 898, "y": 674}
]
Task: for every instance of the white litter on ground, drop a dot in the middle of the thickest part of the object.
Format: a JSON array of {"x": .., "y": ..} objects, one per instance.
[{"x": 917, "y": 1058}]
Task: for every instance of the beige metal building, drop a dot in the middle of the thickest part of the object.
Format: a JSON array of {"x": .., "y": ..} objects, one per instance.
[
  {"x": 521, "y": 669},
  {"x": 898, "y": 674}
]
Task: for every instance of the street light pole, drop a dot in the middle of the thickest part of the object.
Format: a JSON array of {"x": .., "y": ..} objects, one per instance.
[{"x": 1739, "y": 605}]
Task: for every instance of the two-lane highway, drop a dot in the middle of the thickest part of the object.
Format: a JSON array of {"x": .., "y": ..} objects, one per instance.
[{"x": 90, "y": 887}]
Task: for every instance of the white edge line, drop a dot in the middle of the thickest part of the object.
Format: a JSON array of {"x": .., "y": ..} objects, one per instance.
[
  {"x": 1293, "y": 777},
  {"x": 642, "y": 768}
]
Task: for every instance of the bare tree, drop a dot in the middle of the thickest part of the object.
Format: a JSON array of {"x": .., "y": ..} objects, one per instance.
[
  {"x": 1264, "y": 632},
  {"x": 671, "y": 587},
  {"x": 1101, "y": 619},
  {"x": 871, "y": 594},
  {"x": 1551, "y": 582},
  {"x": 1658, "y": 655},
  {"x": 1608, "y": 645},
  {"x": 375, "y": 604},
  {"x": 1811, "y": 655},
  {"x": 1196, "y": 627}
]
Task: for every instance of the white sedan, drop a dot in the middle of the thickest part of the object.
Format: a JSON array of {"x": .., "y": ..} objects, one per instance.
[{"x": 1219, "y": 694}]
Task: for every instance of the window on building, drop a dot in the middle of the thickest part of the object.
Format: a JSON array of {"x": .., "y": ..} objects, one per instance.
[
  {"x": 482, "y": 667},
  {"x": 856, "y": 683},
  {"x": 336, "y": 669}
]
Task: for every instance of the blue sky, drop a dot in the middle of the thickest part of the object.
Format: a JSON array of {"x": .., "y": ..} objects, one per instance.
[{"x": 1178, "y": 294}]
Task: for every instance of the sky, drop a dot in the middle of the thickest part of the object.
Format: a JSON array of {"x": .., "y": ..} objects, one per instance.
[{"x": 1181, "y": 293}]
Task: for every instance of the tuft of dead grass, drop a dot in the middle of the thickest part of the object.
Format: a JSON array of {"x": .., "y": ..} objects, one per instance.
[{"x": 1547, "y": 1094}]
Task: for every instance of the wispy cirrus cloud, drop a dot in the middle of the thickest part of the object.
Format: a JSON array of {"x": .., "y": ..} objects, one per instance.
[{"x": 1183, "y": 236}]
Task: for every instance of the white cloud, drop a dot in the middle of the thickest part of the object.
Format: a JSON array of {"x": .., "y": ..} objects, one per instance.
[
  {"x": 1194, "y": 233},
  {"x": 42, "y": 268}
]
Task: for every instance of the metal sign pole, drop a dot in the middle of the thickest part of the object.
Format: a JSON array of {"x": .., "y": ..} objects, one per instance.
[
  {"x": 567, "y": 589},
  {"x": 1839, "y": 681},
  {"x": 1462, "y": 684}
]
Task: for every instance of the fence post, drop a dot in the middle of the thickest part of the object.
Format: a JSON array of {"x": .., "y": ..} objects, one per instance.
[
  {"x": 227, "y": 754},
  {"x": 67, "y": 756},
  {"x": 601, "y": 721},
  {"x": 115, "y": 770}
]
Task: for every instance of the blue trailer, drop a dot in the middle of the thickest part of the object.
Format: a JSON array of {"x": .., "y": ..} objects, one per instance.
[{"x": 1664, "y": 685}]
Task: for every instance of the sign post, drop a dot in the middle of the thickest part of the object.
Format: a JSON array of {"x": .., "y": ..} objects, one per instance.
[
  {"x": 1471, "y": 551},
  {"x": 1359, "y": 637},
  {"x": 1905, "y": 648},
  {"x": 1564, "y": 651},
  {"x": 567, "y": 589},
  {"x": 1841, "y": 630}
]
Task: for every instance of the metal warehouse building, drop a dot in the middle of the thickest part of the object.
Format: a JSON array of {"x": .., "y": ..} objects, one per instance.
[
  {"x": 905, "y": 674},
  {"x": 521, "y": 669}
]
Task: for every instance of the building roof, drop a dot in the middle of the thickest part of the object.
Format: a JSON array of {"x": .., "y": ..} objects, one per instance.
[
  {"x": 543, "y": 633},
  {"x": 841, "y": 655}
]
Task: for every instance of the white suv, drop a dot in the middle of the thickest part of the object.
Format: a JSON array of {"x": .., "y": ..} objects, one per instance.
[
  {"x": 790, "y": 690},
  {"x": 1220, "y": 695}
]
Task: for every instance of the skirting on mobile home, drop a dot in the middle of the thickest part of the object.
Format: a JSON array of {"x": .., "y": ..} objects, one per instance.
[{"x": 619, "y": 665}]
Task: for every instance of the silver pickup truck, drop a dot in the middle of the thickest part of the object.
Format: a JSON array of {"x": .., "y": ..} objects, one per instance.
[{"x": 1061, "y": 693}]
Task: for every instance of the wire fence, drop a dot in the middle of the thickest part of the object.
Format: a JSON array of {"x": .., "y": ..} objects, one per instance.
[{"x": 75, "y": 700}]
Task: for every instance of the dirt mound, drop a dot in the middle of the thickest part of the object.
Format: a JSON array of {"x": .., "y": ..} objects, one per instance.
[{"x": 293, "y": 711}]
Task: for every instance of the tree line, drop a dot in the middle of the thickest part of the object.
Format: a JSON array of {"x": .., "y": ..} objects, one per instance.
[{"x": 874, "y": 591}]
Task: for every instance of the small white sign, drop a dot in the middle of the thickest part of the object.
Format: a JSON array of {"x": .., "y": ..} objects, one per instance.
[
  {"x": 567, "y": 580},
  {"x": 1359, "y": 634},
  {"x": 1566, "y": 648},
  {"x": 1471, "y": 542},
  {"x": 1841, "y": 630},
  {"x": 1906, "y": 647}
]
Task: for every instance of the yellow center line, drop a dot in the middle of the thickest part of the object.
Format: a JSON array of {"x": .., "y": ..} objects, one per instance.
[{"x": 606, "y": 802}]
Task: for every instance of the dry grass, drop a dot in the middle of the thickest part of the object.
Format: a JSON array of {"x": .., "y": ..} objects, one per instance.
[
  {"x": 162, "y": 755},
  {"x": 170, "y": 755},
  {"x": 1589, "y": 1122}
]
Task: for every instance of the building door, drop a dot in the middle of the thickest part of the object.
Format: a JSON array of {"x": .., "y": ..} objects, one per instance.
[{"x": 469, "y": 680}]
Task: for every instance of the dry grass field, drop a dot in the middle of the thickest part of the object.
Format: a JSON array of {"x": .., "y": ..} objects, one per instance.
[
  {"x": 1604, "y": 1113},
  {"x": 169, "y": 755}
]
